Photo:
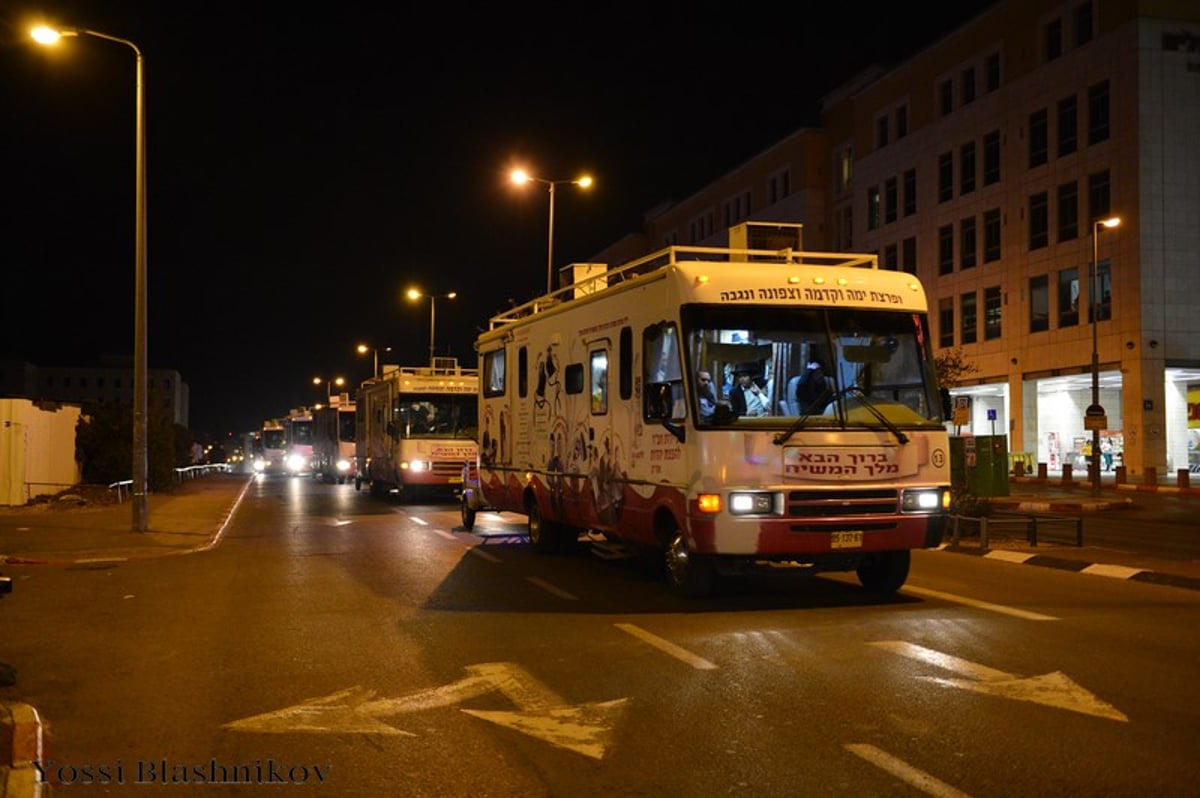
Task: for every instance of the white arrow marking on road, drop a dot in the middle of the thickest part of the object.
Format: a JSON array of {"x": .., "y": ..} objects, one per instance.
[
  {"x": 1053, "y": 689},
  {"x": 583, "y": 728}
]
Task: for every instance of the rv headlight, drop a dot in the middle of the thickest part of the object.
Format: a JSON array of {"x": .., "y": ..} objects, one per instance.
[
  {"x": 296, "y": 462},
  {"x": 343, "y": 465},
  {"x": 745, "y": 503},
  {"x": 416, "y": 465},
  {"x": 260, "y": 464},
  {"x": 923, "y": 500}
]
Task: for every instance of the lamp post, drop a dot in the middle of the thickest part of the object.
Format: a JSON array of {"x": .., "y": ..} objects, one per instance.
[
  {"x": 414, "y": 295},
  {"x": 363, "y": 349},
  {"x": 520, "y": 177},
  {"x": 329, "y": 385},
  {"x": 1095, "y": 416},
  {"x": 49, "y": 36}
]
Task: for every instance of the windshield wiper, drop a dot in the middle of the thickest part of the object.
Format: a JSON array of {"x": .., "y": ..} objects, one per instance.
[{"x": 799, "y": 423}]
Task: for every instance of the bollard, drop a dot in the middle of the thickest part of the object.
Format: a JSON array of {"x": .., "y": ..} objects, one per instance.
[
  {"x": 1150, "y": 475},
  {"x": 1066, "y": 471},
  {"x": 1120, "y": 475},
  {"x": 1041, "y": 470},
  {"x": 1181, "y": 478}
]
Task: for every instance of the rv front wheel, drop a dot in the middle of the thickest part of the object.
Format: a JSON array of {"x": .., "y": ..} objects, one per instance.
[
  {"x": 689, "y": 574},
  {"x": 885, "y": 572},
  {"x": 543, "y": 534}
]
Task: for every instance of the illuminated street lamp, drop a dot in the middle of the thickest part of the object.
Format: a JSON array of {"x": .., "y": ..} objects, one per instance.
[
  {"x": 1095, "y": 416},
  {"x": 336, "y": 382},
  {"x": 49, "y": 36},
  {"x": 520, "y": 177},
  {"x": 414, "y": 295},
  {"x": 363, "y": 349}
]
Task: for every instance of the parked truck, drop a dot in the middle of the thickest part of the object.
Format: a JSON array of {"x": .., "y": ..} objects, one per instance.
[
  {"x": 416, "y": 430},
  {"x": 659, "y": 407}
]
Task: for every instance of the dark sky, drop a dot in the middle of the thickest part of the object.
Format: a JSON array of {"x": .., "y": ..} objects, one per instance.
[{"x": 308, "y": 162}]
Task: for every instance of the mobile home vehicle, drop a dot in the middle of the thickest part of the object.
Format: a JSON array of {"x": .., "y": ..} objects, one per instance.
[
  {"x": 271, "y": 449},
  {"x": 333, "y": 440},
  {"x": 417, "y": 428},
  {"x": 595, "y": 414},
  {"x": 299, "y": 426}
]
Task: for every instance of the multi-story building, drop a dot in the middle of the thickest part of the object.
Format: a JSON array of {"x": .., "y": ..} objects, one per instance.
[
  {"x": 985, "y": 164},
  {"x": 107, "y": 383}
]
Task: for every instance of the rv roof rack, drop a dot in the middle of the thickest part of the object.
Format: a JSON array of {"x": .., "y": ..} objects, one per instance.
[{"x": 672, "y": 255}]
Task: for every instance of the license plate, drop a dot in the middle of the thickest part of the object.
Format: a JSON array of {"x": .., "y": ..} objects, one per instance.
[
  {"x": 455, "y": 480},
  {"x": 846, "y": 540}
]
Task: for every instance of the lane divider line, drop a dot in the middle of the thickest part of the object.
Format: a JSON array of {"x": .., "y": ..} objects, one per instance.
[
  {"x": 667, "y": 647},
  {"x": 908, "y": 774}
]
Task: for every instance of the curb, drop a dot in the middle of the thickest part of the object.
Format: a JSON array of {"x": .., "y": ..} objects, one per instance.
[
  {"x": 1122, "y": 572},
  {"x": 21, "y": 743}
]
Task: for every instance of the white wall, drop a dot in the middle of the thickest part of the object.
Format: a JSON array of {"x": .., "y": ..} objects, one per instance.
[{"x": 37, "y": 450}]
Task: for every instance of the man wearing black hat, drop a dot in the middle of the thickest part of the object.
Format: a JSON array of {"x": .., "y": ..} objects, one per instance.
[
  {"x": 746, "y": 398},
  {"x": 812, "y": 394}
]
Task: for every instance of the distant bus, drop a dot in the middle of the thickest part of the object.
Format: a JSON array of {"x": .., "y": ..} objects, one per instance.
[
  {"x": 299, "y": 426},
  {"x": 272, "y": 448},
  {"x": 333, "y": 441}
]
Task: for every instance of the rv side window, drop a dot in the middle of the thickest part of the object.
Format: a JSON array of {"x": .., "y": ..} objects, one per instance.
[
  {"x": 523, "y": 372},
  {"x": 573, "y": 377},
  {"x": 599, "y": 363},
  {"x": 625, "y": 363},
  {"x": 493, "y": 367},
  {"x": 660, "y": 355}
]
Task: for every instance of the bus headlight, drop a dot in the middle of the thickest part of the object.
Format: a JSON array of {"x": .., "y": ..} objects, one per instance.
[
  {"x": 260, "y": 464},
  {"x": 923, "y": 500},
  {"x": 343, "y": 465},
  {"x": 416, "y": 465},
  {"x": 746, "y": 503},
  {"x": 296, "y": 462}
]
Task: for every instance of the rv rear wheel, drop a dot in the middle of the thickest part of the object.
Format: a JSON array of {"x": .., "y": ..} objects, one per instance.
[
  {"x": 468, "y": 513},
  {"x": 885, "y": 572},
  {"x": 689, "y": 574},
  {"x": 543, "y": 534}
]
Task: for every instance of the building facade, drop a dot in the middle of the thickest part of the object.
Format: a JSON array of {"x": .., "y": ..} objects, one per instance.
[{"x": 984, "y": 164}]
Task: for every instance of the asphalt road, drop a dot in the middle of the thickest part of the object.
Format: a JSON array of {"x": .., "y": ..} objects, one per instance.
[{"x": 374, "y": 649}]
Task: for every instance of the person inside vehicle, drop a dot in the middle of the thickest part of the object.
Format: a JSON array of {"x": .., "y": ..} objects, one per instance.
[
  {"x": 813, "y": 393},
  {"x": 746, "y": 397}
]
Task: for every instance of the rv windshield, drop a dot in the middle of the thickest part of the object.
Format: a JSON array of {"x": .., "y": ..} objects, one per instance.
[
  {"x": 798, "y": 368},
  {"x": 436, "y": 415}
]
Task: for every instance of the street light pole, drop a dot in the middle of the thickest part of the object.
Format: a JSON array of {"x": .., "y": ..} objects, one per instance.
[
  {"x": 519, "y": 176},
  {"x": 138, "y": 490},
  {"x": 414, "y": 295},
  {"x": 1095, "y": 410},
  {"x": 363, "y": 349}
]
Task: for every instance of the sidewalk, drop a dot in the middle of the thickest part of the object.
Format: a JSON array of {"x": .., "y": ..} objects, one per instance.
[{"x": 191, "y": 517}]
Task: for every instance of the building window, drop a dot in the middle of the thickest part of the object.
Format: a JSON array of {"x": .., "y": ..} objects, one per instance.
[
  {"x": 991, "y": 73},
  {"x": 1068, "y": 211},
  {"x": 910, "y": 192},
  {"x": 1039, "y": 220},
  {"x": 967, "y": 243},
  {"x": 1039, "y": 304},
  {"x": 1038, "y": 138},
  {"x": 1053, "y": 39},
  {"x": 991, "y": 235},
  {"x": 881, "y": 131},
  {"x": 991, "y": 158},
  {"x": 902, "y": 121},
  {"x": 846, "y": 168},
  {"x": 1098, "y": 196},
  {"x": 891, "y": 258},
  {"x": 946, "y": 322},
  {"x": 779, "y": 186},
  {"x": 1068, "y": 125},
  {"x": 992, "y": 316},
  {"x": 873, "y": 208},
  {"x": 908, "y": 257},
  {"x": 889, "y": 200},
  {"x": 966, "y": 168},
  {"x": 1083, "y": 23},
  {"x": 968, "y": 85},
  {"x": 946, "y": 96},
  {"x": 1098, "y": 113},
  {"x": 970, "y": 318},
  {"x": 1068, "y": 297},
  {"x": 945, "y": 177},
  {"x": 946, "y": 249}
]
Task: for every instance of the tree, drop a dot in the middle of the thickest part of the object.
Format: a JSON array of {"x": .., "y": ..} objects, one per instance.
[
  {"x": 104, "y": 445},
  {"x": 952, "y": 367}
]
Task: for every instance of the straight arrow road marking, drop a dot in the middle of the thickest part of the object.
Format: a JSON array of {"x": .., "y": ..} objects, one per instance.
[
  {"x": 1052, "y": 689},
  {"x": 584, "y": 728}
]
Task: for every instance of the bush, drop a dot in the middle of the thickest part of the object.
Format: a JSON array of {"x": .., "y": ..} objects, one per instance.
[{"x": 104, "y": 445}]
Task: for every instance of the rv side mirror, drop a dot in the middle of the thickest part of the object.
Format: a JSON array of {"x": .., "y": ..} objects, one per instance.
[{"x": 659, "y": 401}]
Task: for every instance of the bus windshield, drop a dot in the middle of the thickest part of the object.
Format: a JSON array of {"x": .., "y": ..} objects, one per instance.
[{"x": 771, "y": 366}]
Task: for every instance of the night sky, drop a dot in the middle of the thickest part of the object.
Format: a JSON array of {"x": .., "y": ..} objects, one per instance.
[{"x": 307, "y": 164}]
